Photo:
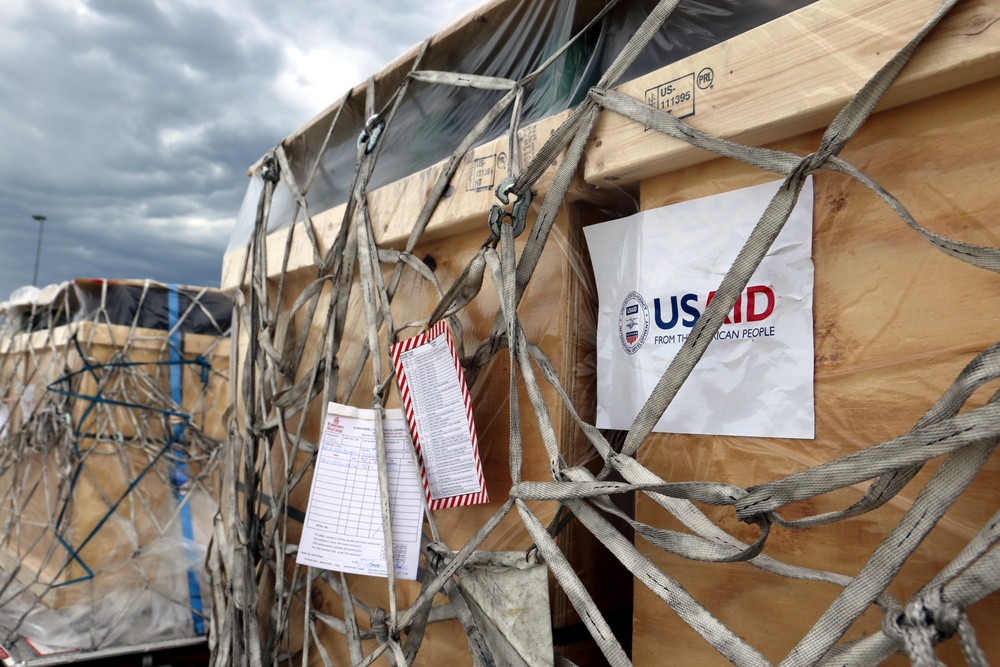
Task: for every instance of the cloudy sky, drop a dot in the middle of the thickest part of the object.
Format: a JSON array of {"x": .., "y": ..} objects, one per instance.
[{"x": 130, "y": 124}]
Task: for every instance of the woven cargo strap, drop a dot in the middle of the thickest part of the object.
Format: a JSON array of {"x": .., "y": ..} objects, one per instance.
[{"x": 966, "y": 439}]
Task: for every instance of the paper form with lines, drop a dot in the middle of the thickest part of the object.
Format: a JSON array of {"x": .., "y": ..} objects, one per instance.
[{"x": 343, "y": 525}]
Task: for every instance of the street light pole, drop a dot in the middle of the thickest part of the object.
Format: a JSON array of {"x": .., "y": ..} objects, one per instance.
[{"x": 38, "y": 253}]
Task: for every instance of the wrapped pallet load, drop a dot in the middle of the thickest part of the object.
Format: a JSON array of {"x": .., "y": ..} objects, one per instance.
[
  {"x": 114, "y": 395},
  {"x": 605, "y": 332}
]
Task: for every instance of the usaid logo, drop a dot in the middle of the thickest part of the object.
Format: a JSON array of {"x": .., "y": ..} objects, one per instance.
[{"x": 633, "y": 322}]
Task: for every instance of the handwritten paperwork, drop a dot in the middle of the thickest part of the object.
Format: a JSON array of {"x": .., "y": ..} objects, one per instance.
[
  {"x": 343, "y": 526},
  {"x": 437, "y": 406}
]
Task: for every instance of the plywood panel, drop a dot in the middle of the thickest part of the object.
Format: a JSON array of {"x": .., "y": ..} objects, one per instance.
[
  {"x": 203, "y": 382},
  {"x": 553, "y": 303},
  {"x": 894, "y": 324},
  {"x": 394, "y": 208}
]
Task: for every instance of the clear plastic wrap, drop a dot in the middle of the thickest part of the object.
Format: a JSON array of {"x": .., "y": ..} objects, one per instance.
[
  {"x": 879, "y": 366},
  {"x": 108, "y": 463},
  {"x": 139, "y": 604},
  {"x": 557, "y": 308},
  {"x": 507, "y": 41}
]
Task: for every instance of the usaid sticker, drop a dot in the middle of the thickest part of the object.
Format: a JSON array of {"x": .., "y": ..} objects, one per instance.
[
  {"x": 633, "y": 322},
  {"x": 657, "y": 271}
]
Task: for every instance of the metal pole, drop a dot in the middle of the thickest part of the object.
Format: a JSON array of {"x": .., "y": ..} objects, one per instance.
[{"x": 38, "y": 253}]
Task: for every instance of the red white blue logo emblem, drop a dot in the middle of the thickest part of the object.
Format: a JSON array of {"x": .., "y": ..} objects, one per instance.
[{"x": 633, "y": 322}]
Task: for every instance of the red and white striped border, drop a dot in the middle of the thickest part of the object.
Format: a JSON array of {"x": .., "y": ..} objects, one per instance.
[{"x": 439, "y": 329}]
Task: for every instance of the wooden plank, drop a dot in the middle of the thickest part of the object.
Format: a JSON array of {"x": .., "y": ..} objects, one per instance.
[
  {"x": 793, "y": 75},
  {"x": 143, "y": 533},
  {"x": 206, "y": 401},
  {"x": 894, "y": 324},
  {"x": 394, "y": 208},
  {"x": 397, "y": 204},
  {"x": 149, "y": 347},
  {"x": 206, "y": 396},
  {"x": 28, "y": 364},
  {"x": 27, "y": 552}
]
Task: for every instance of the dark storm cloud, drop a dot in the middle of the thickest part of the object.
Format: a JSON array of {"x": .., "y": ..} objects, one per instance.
[{"x": 130, "y": 123}]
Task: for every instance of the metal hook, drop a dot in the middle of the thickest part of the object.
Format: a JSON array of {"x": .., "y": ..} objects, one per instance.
[
  {"x": 369, "y": 137},
  {"x": 518, "y": 212},
  {"x": 270, "y": 171}
]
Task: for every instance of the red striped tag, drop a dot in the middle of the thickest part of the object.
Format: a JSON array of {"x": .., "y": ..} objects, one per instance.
[{"x": 406, "y": 398}]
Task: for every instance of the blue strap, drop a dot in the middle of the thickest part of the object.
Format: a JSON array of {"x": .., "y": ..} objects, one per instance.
[
  {"x": 74, "y": 552},
  {"x": 179, "y": 472}
]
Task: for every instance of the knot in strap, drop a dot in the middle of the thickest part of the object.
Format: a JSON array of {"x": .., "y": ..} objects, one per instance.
[
  {"x": 932, "y": 610},
  {"x": 924, "y": 622},
  {"x": 379, "y": 625},
  {"x": 436, "y": 553},
  {"x": 813, "y": 162}
]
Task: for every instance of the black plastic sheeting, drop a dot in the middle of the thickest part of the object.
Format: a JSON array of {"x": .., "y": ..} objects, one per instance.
[
  {"x": 124, "y": 304},
  {"x": 432, "y": 118}
]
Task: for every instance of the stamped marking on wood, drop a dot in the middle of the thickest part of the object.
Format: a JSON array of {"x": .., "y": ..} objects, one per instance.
[
  {"x": 676, "y": 96},
  {"x": 481, "y": 173},
  {"x": 706, "y": 78}
]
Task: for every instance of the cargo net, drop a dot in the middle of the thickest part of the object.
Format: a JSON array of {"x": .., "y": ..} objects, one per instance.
[
  {"x": 269, "y": 610},
  {"x": 108, "y": 461}
]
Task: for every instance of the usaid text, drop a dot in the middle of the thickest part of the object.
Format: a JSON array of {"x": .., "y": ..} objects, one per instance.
[{"x": 755, "y": 304}]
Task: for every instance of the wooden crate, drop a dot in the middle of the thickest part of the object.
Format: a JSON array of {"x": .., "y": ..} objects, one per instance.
[
  {"x": 895, "y": 319},
  {"x": 33, "y": 365},
  {"x": 394, "y": 207},
  {"x": 874, "y": 375}
]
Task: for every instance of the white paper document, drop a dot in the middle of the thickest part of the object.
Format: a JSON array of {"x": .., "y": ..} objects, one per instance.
[
  {"x": 343, "y": 525},
  {"x": 657, "y": 270},
  {"x": 436, "y": 403}
]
